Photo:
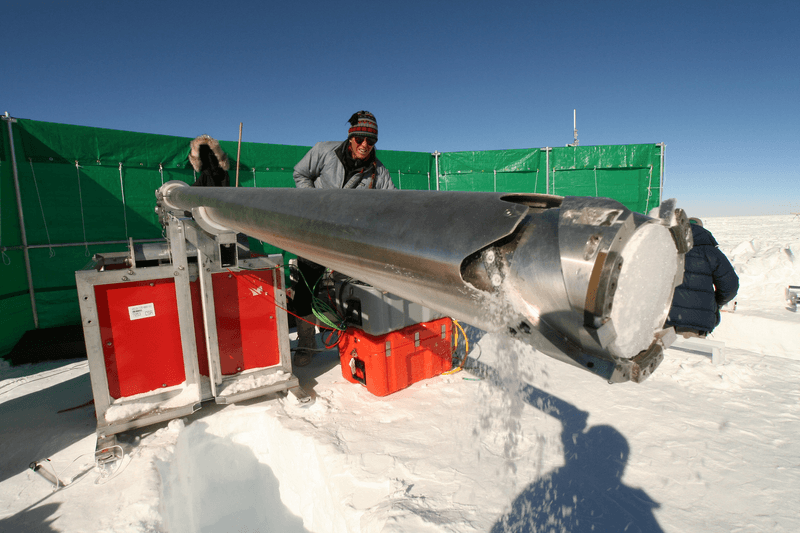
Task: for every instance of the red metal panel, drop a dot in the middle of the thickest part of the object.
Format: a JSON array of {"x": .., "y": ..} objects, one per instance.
[
  {"x": 199, "y": 328},
  {"x": 141, "y": 336},
  {"x": 407, "y": 364},
  {"x": 246, "y": 320}
]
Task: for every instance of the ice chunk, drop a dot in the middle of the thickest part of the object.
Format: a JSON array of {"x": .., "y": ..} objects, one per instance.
[
  {"x": 139, "y": 404},
  {"x": 644, "y": 290},
  {"x": 255, "y": 381}
]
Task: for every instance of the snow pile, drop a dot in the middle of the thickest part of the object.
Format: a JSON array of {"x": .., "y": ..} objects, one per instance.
[
  {"x": 213, "y": 483},
  {"x": 520, "y": 442},
  {"x": 356, "y": 462},
  {"x": 765, "y": 251}
]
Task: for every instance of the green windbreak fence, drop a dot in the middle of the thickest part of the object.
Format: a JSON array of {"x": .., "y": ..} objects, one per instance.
[
  {"x": 86, "y": 190},
  {"x": 630, "y": 174}
]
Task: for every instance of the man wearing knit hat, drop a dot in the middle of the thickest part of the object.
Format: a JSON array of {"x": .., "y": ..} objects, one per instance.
[
  {"x": 345, "y": 165},
  {"x": 334, "y": 165}
]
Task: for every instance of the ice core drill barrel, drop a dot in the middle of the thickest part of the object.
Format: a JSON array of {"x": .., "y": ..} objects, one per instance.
[{"x": 583, "y": 280}]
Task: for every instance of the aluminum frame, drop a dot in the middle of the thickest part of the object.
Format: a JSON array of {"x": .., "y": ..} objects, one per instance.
[{"x": 183, "y": 235}]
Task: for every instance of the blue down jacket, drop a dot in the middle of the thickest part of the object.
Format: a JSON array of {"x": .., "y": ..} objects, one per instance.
[
  {"x": 323, "y": 168},
  {"x": 709, "y": 282}
]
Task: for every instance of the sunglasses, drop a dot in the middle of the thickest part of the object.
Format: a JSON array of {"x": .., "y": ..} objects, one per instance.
[{"x": 359, "y": 140}]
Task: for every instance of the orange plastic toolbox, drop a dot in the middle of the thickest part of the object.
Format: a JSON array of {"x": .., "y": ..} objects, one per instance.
[{"x": 391, "y": 362}]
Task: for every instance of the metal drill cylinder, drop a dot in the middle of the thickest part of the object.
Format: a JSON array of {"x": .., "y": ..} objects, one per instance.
[{"x": 544, "y": 269}]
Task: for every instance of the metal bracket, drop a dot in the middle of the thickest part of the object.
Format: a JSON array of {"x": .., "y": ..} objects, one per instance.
[
  {"x": 107, "y": 451},
  {"x": 302, "y": 396},
  {"x": 792, "y": 297}
]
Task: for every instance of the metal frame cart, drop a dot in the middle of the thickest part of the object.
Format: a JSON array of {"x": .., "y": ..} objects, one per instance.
[{"x": 171, "y": 325}]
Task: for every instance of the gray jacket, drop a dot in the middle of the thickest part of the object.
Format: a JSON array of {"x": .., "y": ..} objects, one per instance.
[{"x": 322, "y": 168}]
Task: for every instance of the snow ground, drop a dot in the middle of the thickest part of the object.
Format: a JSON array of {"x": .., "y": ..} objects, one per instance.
[{"x": 522, "y": 443}]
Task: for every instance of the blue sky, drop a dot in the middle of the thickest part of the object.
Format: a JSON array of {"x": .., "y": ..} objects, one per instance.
[{"x": 718, "y": 82}]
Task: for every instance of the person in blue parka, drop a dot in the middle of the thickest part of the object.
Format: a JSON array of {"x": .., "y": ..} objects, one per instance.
[{"x": 709, "y": 282}]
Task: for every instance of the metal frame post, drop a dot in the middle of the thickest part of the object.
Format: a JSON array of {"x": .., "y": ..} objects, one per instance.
[
  {"x": 436, "y": 155},
  {"x": 21, "y": 217},
  {"x": 661, "y": 177},
  {"x": 547, "y": 169}
]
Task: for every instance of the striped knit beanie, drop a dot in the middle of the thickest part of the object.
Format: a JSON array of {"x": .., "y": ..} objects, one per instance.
[{"x": 363, "y": 124}]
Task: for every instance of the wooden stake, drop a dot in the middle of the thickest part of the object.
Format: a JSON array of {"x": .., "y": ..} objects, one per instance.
[{"x": 238, "y": 154}]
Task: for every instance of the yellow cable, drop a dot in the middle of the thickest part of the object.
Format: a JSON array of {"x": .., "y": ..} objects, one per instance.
[
  {"x": 466, "y": 348},
  {"x": 466, "y": 341}
]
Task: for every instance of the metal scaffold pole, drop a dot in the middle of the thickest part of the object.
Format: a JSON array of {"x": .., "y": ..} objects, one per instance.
[
  {"x": 547, "y": 170},
  {"x": 436, "y": 155},
  {"x": 661, "y": 177},
  {"x": 21, "y": 216}
]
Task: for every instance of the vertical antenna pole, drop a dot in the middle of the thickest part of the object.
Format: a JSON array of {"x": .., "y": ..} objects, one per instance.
[{"x": 575, "y": 126}]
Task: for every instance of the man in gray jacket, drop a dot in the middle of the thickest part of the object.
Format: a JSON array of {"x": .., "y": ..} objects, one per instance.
[{"x": 333, "y": 165}]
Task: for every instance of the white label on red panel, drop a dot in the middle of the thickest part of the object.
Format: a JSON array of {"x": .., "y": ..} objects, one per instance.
[{"x": 141, "y": 311}]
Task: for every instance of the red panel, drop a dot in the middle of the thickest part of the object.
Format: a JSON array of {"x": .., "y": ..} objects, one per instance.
[
  {"x": 141, "y": 337},
  {"x": 199, "y": 328},
  {"x": 246, "y": 320},
  {"x": 407, "y": 363}
]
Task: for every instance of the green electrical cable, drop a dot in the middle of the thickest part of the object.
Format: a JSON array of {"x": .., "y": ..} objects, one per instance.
[{"x": 321, "y": 309}]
